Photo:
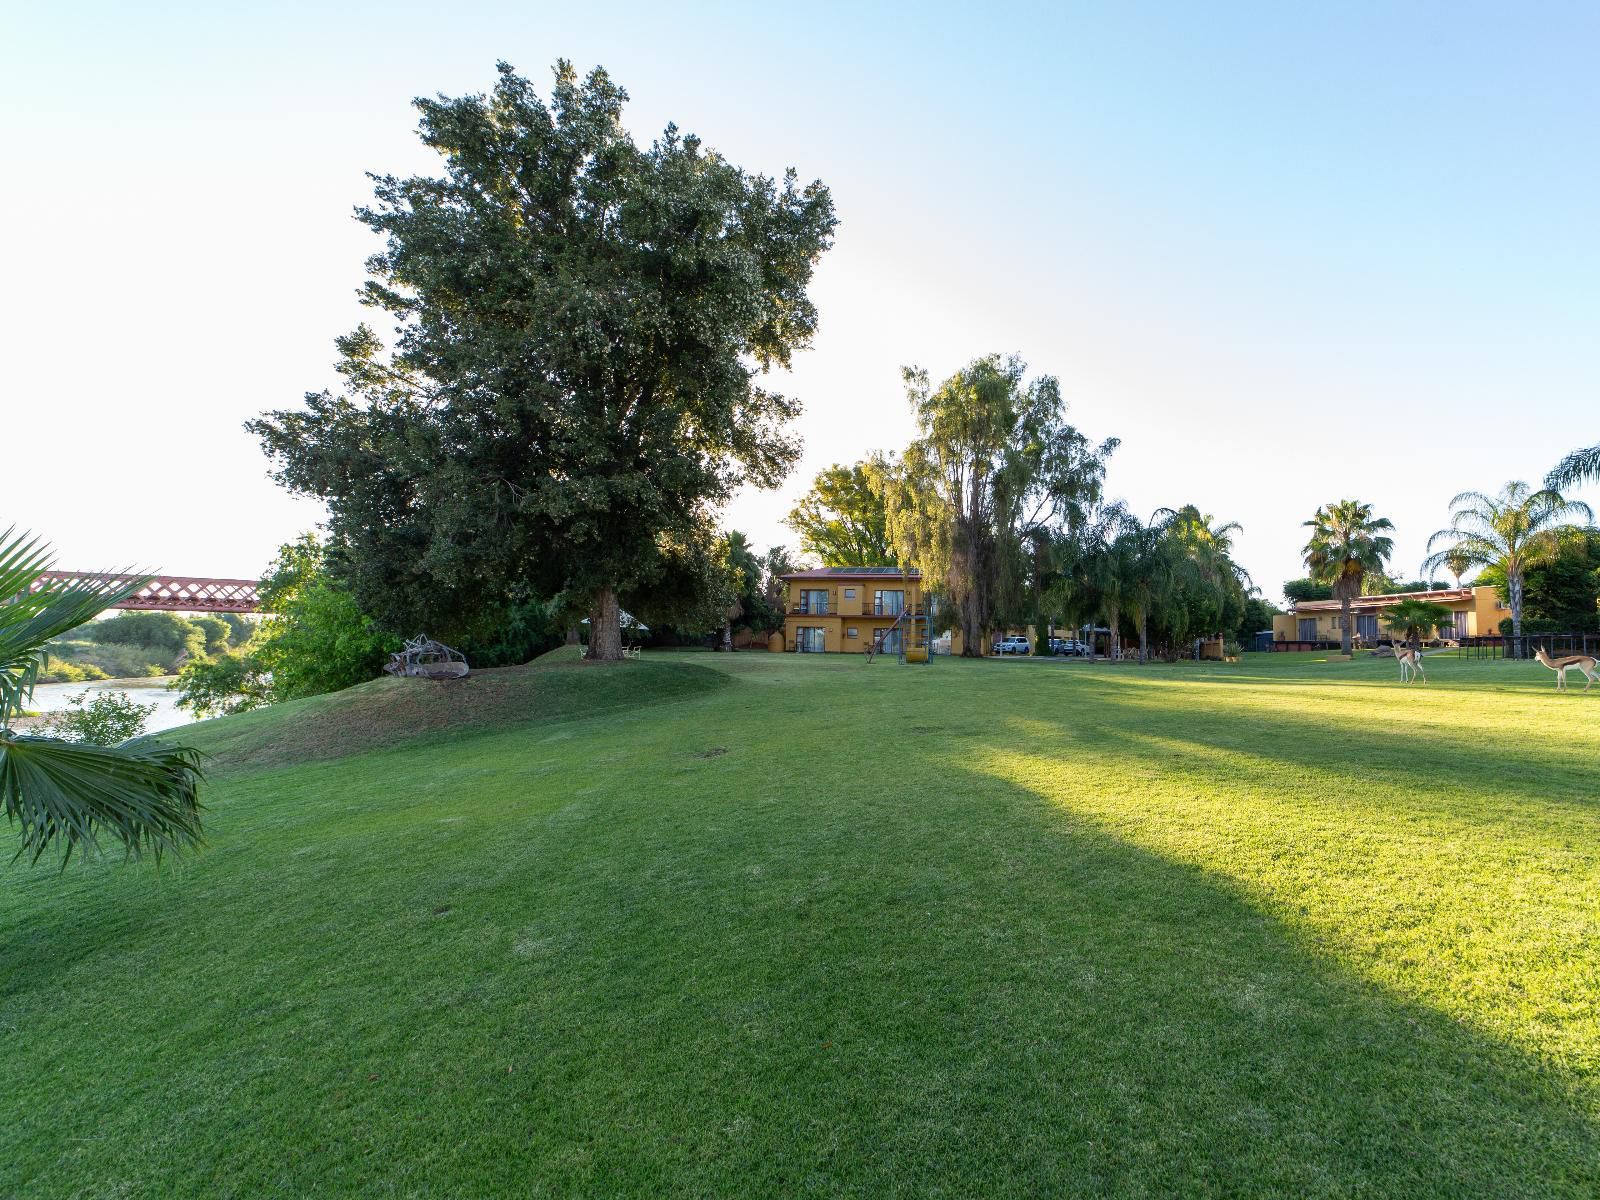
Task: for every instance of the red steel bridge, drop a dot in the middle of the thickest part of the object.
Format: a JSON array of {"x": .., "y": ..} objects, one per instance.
[{"x": 174, "y": 593}]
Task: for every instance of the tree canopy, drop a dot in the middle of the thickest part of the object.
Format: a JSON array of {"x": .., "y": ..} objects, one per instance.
[
  {"x": 1512, "y": 533},
  {"x": 1414, "y": 620},
  {"x": 841, "y": 520},
  {"x": 1347, "y": 544},
  {"x": 575, "y": 388},
  {"x": 995, "y": 467}
]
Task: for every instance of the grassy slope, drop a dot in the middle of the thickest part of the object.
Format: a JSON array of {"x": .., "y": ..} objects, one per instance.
[{"x": 979, "y": 929}]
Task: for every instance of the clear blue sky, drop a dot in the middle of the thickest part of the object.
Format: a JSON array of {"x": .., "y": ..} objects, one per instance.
[{"x": 1286, "y": 253}]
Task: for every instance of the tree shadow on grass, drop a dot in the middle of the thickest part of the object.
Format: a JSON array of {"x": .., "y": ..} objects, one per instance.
[
  {"x": 1048, "y": 1010},
  {"x": 940, "y": 983},
  {"x": 1426, "y": 760}
]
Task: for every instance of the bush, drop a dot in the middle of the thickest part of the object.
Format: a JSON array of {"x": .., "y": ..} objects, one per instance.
[
  {"x": 1232, "y": 649},
  {"x": 63, "y": 670},
  {"x": 165, "y": 632},
  {"x": 315, "y": 639},
  {"x": 1536, "y": 625},
  {"x": 106, "y": 719},
  {"x": 112, "y": 661},
  {"x": 215, "y": 687},
  {"x": 525, "y": 632}
]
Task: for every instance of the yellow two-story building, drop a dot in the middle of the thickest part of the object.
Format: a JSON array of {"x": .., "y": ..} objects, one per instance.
[
  {"x": 847, "y": 609},
  {"x": 1474, "y": 612}
]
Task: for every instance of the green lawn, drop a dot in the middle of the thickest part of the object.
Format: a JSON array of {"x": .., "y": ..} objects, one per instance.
[{"x": 766, "y": 926}]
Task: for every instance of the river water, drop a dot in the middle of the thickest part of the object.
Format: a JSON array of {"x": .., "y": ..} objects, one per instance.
[{"x": 49, "y": 697}]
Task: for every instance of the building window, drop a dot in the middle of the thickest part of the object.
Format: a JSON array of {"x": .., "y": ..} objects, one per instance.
[
  {"x": 814, "y": 601},
  {"x": 810, "y": 641},
  {"x": 888, "y": 604},
  {"x": 849, "y": 593},
  {"x": 851, "y": 632}
]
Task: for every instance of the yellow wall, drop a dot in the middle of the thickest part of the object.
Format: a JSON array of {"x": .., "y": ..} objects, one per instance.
[
  {"x": 850, "y": 603},
  {"x": 1483, "y": 609}
]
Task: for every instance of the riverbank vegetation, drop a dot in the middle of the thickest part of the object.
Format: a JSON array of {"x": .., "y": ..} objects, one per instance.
[{"x": 136, "y": 645}]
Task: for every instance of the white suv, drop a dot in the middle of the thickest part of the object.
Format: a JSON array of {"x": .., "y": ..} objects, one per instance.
[{"x": 1015, "y": 644}]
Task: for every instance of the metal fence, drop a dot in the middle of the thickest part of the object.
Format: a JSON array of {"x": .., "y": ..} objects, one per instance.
[{"x": 1529, "y": 644}]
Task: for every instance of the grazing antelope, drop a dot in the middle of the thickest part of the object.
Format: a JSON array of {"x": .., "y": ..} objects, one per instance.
[
  {"x": 1410, "y": 663},
  {"x": 1584, "y": 662}
]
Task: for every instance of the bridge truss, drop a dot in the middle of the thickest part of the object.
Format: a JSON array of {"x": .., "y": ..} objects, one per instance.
[{"x": 175, "y": 593}]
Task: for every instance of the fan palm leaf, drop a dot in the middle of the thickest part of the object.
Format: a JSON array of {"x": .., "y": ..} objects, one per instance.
[{"x": 66, "y": 793}]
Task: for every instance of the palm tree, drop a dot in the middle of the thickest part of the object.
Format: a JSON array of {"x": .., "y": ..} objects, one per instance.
[
  {"x": 1145, "y": 569},
  {"x": 1414, "y": 620},
  {"x": 1457, "y": 563},
  {"x": 1347, "y": 543},
  {"x": 1518, "y": 529},
  {"x": 67, "y": 793},
  {"x": 1579, "y": 467},
  {"x": 1207, "y": 567}
]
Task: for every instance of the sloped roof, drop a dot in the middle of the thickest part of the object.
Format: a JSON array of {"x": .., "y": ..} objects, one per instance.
[
  {"x": 846, "y": 572},
  {"x": 1441, "y": 596}
]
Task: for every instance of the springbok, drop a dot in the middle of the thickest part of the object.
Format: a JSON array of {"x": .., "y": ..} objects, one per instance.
[
  {"x": 1584, "y": 662},
  {"x": 1410, "y": 663}
]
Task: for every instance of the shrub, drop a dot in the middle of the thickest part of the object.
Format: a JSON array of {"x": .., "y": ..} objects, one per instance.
[
  {"x": 106, "y": 719},
  {"x": 315, "y": 639},
  {"x": 215, "y": 687},
  {"x": 1232, "y": 649},
  {"x": 63, "y": 670},
  {"x": 114, "y": 661},
  {"x": 166, "y": 632}
]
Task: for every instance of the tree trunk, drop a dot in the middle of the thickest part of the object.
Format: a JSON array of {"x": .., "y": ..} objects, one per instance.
[
  {"x": 727, "y": 637},
  {"x": 1144, "y": 638},
  {"x": 1514, "y": 586},
  {"x": 573, "y": 638},
  {"x": 971, "y": 633},
  {"x": 605, "y": 627},
  {"x": 1344, "y": 623}
]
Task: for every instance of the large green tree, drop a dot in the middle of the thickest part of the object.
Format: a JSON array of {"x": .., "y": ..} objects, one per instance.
[
  {"x": 65, "y": 794},
  {"x": 994, "y": 459},
  {"x": 576, "y": 386},
  {"x": 1517, "y": 530},
  {"x": 1562, "y": 593},
  {"x": 1347, "y": 544},
  {"x": 841, "y": 520}
]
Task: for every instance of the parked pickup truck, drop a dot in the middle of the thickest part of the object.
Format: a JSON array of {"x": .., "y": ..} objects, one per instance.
[{"x": 1015, "y": 644}]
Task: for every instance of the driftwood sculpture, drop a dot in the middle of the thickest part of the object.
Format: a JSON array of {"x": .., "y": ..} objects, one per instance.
[{"x": 424, "y": 658}]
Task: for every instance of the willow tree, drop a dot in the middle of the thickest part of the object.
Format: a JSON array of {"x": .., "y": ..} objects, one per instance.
[
  {"x": 583, "y": 324},
  {"x": 994, "y": 459},
  {"x": 1347, "y": 544}
]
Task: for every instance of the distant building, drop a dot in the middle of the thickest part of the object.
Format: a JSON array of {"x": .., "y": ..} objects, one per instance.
[
  {"x": 847, "y": 609},
  {"x": 1474, "y": 612}
]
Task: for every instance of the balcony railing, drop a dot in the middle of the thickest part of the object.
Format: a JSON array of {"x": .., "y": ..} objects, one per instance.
[{"x": 809, "y": 608}]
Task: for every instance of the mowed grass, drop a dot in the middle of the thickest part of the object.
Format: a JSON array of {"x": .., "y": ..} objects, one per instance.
[{"x": 756, "y": 925}]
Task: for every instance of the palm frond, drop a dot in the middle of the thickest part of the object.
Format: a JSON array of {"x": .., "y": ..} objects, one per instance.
[
  {"x": 1581, "y": 466},
  {"x": 67, "y": 793},
  {"x": 31, "y": 613}
]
